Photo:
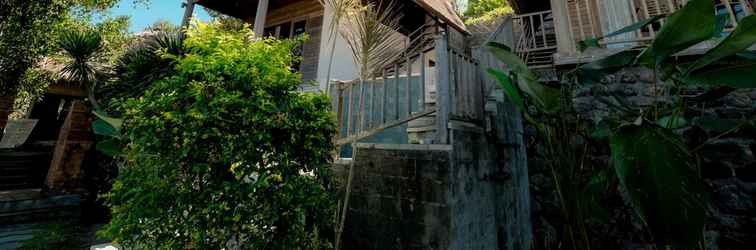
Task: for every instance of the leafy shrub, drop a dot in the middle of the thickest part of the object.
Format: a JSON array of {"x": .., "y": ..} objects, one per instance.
[{"x": 224, "y": 152}]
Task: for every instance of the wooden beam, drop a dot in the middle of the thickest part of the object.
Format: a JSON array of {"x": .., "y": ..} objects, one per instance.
[
  {"x": 443, "y": 97},
  {"x": 188, "y": 12},
  {"x": 262, "y": 11}
]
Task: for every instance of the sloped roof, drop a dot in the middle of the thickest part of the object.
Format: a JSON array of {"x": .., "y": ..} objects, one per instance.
[{"x": 443, "y": 9}]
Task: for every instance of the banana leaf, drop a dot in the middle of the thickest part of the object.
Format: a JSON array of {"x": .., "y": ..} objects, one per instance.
[
  {"x": 694, "y": 23},
  {"x": 103, "y": 128},
  {"x": 109, "y": 147},
  {"x": 506, "y": 83},
  {"x": 546, "y": 98},
  {"x": 593, "y": 42},
  {"x": 663, "y": 181},
  {"x": 115, "y": 122},
  {"x": 738, "y": 76},
  {"x": 743, "y": 37}
]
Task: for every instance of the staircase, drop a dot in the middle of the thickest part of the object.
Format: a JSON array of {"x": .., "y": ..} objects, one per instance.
[
  {"x": 23, "y": 169},
  {"x": 536, "y": 43}
]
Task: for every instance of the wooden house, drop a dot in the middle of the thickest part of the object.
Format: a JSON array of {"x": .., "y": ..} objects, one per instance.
[{"x": 546, "y": 32}]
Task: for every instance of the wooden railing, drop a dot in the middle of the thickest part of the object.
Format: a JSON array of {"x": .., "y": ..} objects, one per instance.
[
  {"x": 433, "y": 81},
  {"x": 594, "y": 18},
  {"x": 534, "y": 31}
]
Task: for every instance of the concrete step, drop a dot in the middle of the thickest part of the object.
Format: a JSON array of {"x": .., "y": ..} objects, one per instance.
[{"x": 30, "y": 207}]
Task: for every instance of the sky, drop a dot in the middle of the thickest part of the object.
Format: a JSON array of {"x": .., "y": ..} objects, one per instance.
[{"x": 144, "y": 16}]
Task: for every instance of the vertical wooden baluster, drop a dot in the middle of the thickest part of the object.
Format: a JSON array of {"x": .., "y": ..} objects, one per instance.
[
  {"x": 422, "y": 80},
  {"x": 443, "y": 93},
  {"x": 532, "y": 31},
  {"x": 384, "y": 81},
  {"x": 409, "y": 86},
  {"x": 543, "y": 31},
  {"x": 340, "y": 110},
  {"x": 371, "y": 122},
  {"x": 361, "y": 109},
  {"x": 350, "y": 108},
  {"x": 452, "y": 81},
  {"x": 396, "y": 91}
]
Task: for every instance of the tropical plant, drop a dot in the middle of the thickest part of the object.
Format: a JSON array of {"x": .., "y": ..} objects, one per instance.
[
  {"x": 371, "y": 33},
  {"x": 659, "y": 172},
  {"x": 224, "y": 153},
  {"x": 145, "y": 61},
  {"x": 81, "y": 49},
  {"x": 482, "y": 11}
]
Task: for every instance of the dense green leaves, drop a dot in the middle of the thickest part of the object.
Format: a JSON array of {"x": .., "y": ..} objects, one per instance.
[
  {"x": 738, "y": 76},
  {"x": 547, "y": 98},
  {"x": 686, "y": 27},
  {"x": 223, "y": 151},
  {"x": 663, "y": 181},
  {"x": 739, "y": 40}
]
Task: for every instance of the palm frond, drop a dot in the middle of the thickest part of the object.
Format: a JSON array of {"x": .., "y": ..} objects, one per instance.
[
  {"x": 82, "y": 48},
  {"x": 371, "y": 32}
]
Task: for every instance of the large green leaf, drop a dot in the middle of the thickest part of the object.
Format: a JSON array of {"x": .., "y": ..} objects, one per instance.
[
  {"x": 593, "y": 72},
  {"x": 546, "y": 98},
  {"x": 115, "y": 122},
  {"x": 743, "y": 37},
  {"x": 515, "y": 63},
  {"x": 688, "y": 26},
  {"x": 663, "y": 182},
  {"x": 109, "y": 147},
  {"x": 101, "y": 127},
  {"x": 739, "y": 76},
  {"x": 593, "y": 42},
  {"x": 617, "y": 60},
  {"x": 506, "y": 83}
]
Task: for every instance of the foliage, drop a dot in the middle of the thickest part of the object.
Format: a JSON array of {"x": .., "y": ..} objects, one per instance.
[
  {"x": 481, "y": 11},
  {"x": 372, "y": 36},
  {"x": 144, "y": 62},
  {"x": 659, "y": 172},
  {"x": 663, "y": 180},
  {"x": 226, "y": 22},
  {"x": 82, "y": 48},
  {"x": 24, "y": 29},
  {"x": 223, "y": 152},
  {"x": 62, "y": 236}
]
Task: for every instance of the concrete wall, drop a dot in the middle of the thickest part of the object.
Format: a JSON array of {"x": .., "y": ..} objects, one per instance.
[{"x": 400, "y": 198}]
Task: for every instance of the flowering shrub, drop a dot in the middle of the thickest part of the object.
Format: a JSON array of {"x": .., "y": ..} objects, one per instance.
[{"x": 224, "y": 153}]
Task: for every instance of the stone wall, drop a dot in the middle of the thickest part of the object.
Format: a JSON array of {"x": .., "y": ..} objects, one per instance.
[
  {"x": 466, "y": 195},
  {"x": 399, "y": 198},
  {"x": 728, "y": 163}
]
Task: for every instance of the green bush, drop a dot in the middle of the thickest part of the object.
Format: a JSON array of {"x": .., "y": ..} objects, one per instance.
[{"x": 224, "y": 152}]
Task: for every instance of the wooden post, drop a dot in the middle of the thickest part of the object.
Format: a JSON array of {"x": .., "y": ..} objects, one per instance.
[
  {"x": 443, "y": 98},
  {"x": 262, "y": 11},
  {"x": 188, "y": 12}
]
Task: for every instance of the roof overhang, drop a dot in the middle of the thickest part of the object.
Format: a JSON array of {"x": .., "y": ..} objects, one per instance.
[
  {"x": 444, "y": 10},
  {"x": 528, "y": 6}
]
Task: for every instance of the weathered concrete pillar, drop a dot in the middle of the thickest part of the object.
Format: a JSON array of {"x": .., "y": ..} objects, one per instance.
[
  {"x": 6, "y": 108},
  {"x": 260, "y": 15},
  {"x": 74, "y": 141}
]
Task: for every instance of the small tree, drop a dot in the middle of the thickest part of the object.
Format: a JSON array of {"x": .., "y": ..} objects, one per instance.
[{"x": 224, "y": 153}]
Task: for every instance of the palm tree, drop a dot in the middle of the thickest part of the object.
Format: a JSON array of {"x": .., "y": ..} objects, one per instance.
[
  {"x": 142, "y": 64},
  {"x": 82, "y": 49}
]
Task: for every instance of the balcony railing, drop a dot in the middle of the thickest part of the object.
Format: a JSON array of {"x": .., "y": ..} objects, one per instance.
[
  {"x": 437, "y": 83},
  {"x": 535, "y": 38}
]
